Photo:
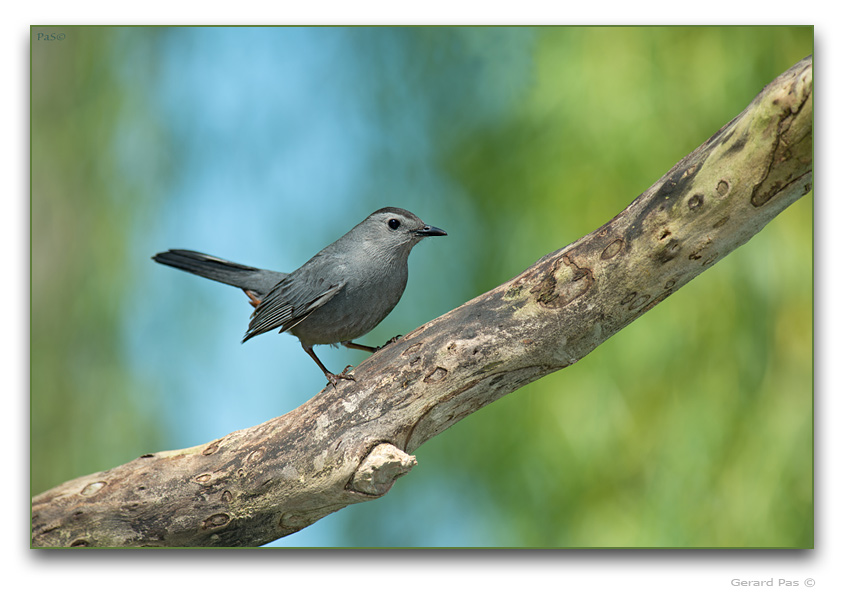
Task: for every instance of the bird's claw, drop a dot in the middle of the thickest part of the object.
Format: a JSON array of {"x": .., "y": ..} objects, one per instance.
[
  {"x": 389, "y": 342},
  {"x": 333, "y": 378}
]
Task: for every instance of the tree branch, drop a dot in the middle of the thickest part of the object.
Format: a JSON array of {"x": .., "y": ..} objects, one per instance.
[{"x": 349, "y": 444}]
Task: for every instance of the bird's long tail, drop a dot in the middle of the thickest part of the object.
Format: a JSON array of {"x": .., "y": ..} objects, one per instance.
[{"x": 255, "y": 280}]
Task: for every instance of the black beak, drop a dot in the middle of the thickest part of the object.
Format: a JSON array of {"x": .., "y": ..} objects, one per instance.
[{"x": 428, "y": 231}]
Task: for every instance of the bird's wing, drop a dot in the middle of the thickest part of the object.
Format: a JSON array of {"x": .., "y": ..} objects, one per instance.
[{"x": 288, "y": 304}]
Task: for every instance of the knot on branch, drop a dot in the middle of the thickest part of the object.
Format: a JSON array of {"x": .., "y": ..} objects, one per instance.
[{"x": 380, "y": 469}]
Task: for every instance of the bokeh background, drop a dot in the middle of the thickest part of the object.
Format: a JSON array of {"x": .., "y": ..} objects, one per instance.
[{"x": 690, "y": 428}]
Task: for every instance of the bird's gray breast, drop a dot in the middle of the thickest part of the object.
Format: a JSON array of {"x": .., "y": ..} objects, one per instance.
[{"x": 371, "y": 289}]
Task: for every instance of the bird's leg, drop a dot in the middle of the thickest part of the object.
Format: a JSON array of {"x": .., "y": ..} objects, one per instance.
[
  {"x": 353, "y": 345},
  {"x": 331, "y": 377}
]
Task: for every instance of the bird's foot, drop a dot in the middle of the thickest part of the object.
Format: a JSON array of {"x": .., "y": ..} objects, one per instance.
[
  {"x": 333, "y": 378},
  {"x": 389, "y": 342}
]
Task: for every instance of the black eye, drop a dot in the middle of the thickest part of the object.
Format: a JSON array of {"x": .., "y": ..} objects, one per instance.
[{"x": 393, "y": 224}]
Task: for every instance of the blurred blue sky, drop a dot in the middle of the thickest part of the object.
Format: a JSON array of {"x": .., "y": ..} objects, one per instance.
[{"x": 278, "y": 146}]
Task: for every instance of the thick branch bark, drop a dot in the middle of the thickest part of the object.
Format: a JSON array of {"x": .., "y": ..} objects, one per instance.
[{"x": 349, "y": 444}]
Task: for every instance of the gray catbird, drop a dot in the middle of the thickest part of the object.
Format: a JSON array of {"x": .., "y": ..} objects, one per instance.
[{"x": 338, "y": 295}]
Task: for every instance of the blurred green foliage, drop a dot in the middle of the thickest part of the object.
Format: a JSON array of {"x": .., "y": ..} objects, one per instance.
[
  {"x": 693, "y": 426},
  {"x": 83, "y": 414}
]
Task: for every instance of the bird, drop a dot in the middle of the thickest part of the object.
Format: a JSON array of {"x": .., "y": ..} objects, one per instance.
[{"x": 337, "y": 296}]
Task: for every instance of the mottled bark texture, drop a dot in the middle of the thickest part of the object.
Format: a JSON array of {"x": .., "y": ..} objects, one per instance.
[{"x": 349, "y": 444}]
